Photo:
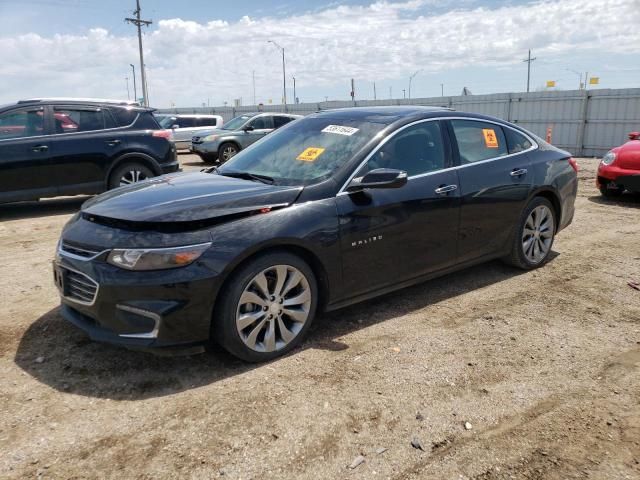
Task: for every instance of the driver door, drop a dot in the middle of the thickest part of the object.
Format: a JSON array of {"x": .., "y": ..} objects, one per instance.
[
  {"x": 393, "y": 235},
  {"x": 259, "y": 127}
]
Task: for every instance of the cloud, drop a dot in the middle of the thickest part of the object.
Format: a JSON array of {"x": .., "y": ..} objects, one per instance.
[{"x": 189, "y": 61}]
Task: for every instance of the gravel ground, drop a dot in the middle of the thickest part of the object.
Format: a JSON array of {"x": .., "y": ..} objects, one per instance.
[{"x": 492, "y": 372}]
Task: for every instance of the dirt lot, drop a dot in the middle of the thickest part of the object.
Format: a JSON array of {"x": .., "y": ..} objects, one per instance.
[{"x": 543, "y": 365}]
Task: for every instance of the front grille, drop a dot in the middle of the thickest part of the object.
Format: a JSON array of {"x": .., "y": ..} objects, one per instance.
[
  {"x": 79, "y": 287},
  {"x": 83, "y": 252}
]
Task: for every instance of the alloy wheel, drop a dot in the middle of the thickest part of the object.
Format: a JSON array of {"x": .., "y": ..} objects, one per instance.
[
  {"x": 228, "y": 152},
  {"x": 132, "y": 176},
  {"x": 273, "y": 308},
  {"x": 537, "y": 235}
]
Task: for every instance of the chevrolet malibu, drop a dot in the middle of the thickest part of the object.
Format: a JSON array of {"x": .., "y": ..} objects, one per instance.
[{"x": 333, "y": 209}]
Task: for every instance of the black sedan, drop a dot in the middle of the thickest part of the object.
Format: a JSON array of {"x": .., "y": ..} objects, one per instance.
[{"x": 330, "y": 210}]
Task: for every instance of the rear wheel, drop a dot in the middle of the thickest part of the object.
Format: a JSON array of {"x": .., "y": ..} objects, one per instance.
[
  {"x": 227, "y": 151},
  {"x": 129, "y": 173},
  {"x": 266, "y": 307},
  {"x": 611, "y": 192},
  {"x": 533, "y": 236}
]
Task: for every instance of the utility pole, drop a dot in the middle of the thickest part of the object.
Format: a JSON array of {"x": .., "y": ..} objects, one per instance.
[
  {"x": 284, "y": 75},
  {"x": 528, "y": 61},
  {"x": 135, "y": 91},
  {"x": 390, "y": 93},
  {"x": 442, "y": 89},
  {"x": 404, "y": 93},
  {"x": 254, "y": 86},
  {"x": 128, "y": 94},
  {"x": 139, "y": 23},
  {"x": 295, "y": 98},
  {"x": 353, "y": 91},
  {"x": 411, "y": 78}
]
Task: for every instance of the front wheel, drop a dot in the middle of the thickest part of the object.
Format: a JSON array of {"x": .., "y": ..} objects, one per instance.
[
  {"x": 227, "y": 151},
  {"x": 533, "y": 236},
  {"x": 129, "y": 173},
  {"x": 266, "y": 307}
]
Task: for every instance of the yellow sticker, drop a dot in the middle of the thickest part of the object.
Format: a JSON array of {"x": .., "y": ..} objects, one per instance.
[
  {"x": 310, "y": 154},
  {"x": 490, "y": 139}
]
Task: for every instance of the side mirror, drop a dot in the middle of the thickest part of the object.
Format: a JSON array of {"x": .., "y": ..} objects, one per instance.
[
  {"x": 379, "y": 178},
  {"x": 248, "y": 128},
  {"x": 174, "y": 126},
  {"x": 634, "y": 135}
]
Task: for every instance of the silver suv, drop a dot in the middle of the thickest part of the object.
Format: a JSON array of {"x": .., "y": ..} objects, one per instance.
[
  {"x": 186, "y": 126},
  {"x": 236, "y": 134}
]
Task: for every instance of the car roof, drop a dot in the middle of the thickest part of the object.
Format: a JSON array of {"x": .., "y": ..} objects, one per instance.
[
  {"x": 131, "y": 103},
  {"x": 190, "y": 115}
]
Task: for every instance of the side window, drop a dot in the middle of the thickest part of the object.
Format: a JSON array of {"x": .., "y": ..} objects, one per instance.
[
  {"x": 260, "y": 123},
  {"x": 478, "y": 140},
  {"x": 21, "y": 123},
  {"x": 69, "y": 120},
  {"x": 185, "y": 122},
  {"x": 280, "y": 121},
  {"x": 516, "y": 142},
  {"x": 417, "y": 149},
  {"x": 207, "y": 122},
  {"x": 124, "y": 116}
]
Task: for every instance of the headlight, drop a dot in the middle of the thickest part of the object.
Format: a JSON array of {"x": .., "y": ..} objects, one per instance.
[
  {"x": 210, "y": 138},
  {"x": 609, "y": 158},
  {"x": 156, "y": 258}
]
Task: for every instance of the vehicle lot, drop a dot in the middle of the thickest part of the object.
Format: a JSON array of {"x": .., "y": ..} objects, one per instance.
[{"x": 542, "y": 364}]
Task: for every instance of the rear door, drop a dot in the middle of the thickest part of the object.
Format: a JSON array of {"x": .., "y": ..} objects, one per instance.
[
  {"x": 26, "y": 168},
  {"x": 184, "y": 132},
  {"x": 392, "y": 235},
  {"x": 494, "y": 186},
  {"x": 84, "y": 142},
  {"x": 261, "y": 126}
]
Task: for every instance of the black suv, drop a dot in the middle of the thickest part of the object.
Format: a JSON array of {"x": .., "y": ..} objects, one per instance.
[{"x": 51, "y": 147}]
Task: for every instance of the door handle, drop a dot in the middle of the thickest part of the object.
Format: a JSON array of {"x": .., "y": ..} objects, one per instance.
[
  {"x": 518, "y": 172},
  {"x": 40, "y": 148},
  {"x": 112, "y": 143},
  {"x": 446, "y": 189}
]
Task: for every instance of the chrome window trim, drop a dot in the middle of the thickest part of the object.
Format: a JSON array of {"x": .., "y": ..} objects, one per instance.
[
  {"x": 80, "y": 302},
  {"x": 534, "y": 146}
]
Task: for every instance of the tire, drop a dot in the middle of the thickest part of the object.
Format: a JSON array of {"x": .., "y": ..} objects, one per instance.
[
  {"x": 611, "y": 192},
  {"x": 208, "y": 158},
  {"x": 227, "y": 151},
  {"x": 243, "y": 327},
  {"x": 526, "y": 242},
  {"x": 129, "y": 173}
]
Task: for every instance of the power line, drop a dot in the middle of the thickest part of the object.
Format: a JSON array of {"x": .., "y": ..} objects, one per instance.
[{"x": 139, "y": 23}]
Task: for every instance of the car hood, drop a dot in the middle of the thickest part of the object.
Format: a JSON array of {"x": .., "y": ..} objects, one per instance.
[{"x": 188, "y": 197}]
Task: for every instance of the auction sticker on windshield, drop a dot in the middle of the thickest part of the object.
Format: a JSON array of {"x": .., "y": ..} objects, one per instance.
[
  {"x": 310, "y": 154},
  {"x": 340, "y": 130}
]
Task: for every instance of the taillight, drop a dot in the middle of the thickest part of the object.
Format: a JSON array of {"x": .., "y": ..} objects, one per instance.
[
  {"x": 574, "y": 164},
  {"x": 168, "y": 134}
]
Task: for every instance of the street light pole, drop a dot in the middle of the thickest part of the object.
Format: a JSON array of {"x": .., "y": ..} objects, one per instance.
[
  {"x": 411, "y": 78},
  {"x": 284, "y": 74},
  {"x": 128, "y": 94},
  {"x": 295, "y": 98},
  {"x": 135, "y": 91}
]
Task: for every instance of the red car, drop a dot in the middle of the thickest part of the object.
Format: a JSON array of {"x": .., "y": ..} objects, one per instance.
[{"x": 619, "y": 169}]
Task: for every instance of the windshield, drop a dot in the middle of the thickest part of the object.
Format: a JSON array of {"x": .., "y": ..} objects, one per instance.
[
  {"x": 166, "y": 122},
  {"x": 304, "y": 152},
  {"x": 236, "y": 123}
]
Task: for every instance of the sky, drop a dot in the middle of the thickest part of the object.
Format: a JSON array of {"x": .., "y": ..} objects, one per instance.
[{"x": 208, "y": 52}]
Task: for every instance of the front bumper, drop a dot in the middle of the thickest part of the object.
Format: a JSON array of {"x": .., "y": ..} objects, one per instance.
[
  {"x": 205, "y": 148},
  {"x": 612, "y": 175},
  {"x": 170, "y": 167},
  {"x": 148, "y": 310}
]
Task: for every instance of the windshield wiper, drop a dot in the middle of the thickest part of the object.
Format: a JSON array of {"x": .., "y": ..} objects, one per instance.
[{"x": 248, "y": 176}]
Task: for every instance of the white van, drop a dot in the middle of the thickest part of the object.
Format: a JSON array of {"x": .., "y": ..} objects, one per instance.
[{"x": 185, "y": 126}]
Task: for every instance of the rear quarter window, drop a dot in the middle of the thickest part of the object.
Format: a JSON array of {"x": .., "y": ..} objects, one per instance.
[
  {"x": 147, "y": 121},
  {"x": 124, "y": 116},
  {"x": 516, "y": 142}
]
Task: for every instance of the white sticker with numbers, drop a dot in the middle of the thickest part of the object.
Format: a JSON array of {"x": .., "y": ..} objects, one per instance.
[{"x": 340, "y": 130}]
